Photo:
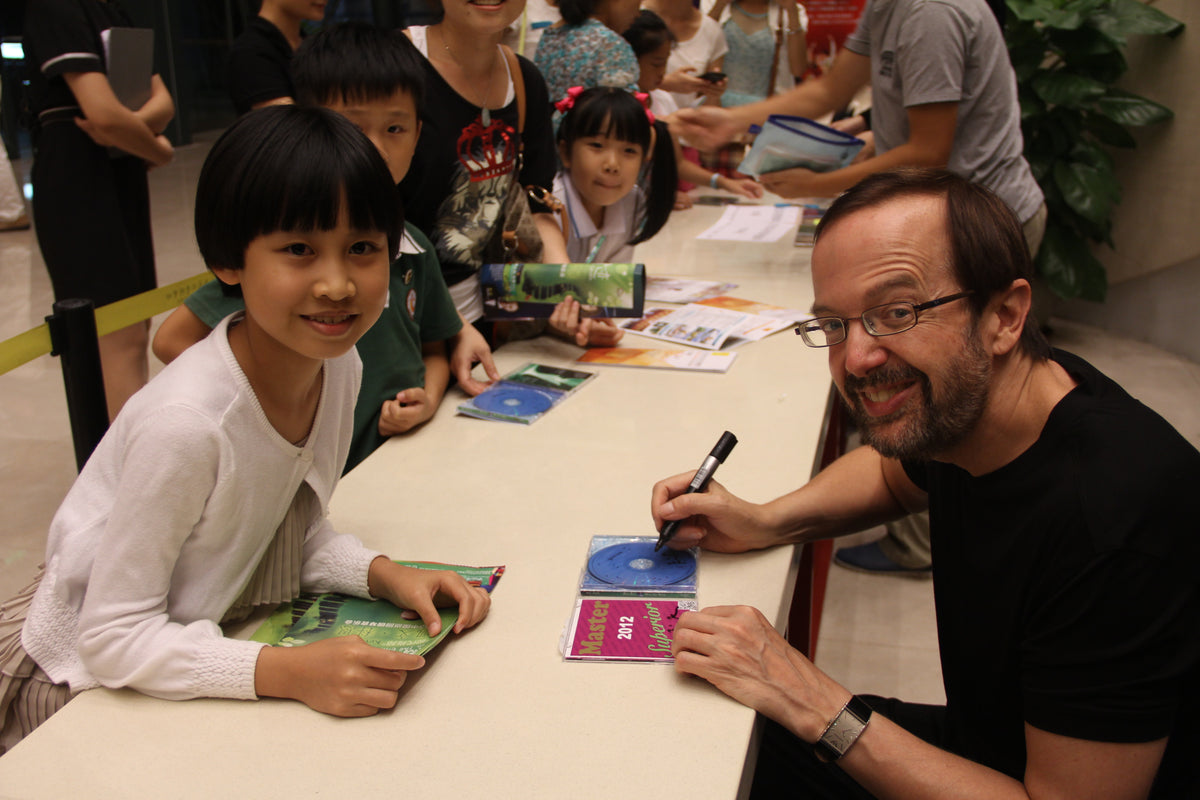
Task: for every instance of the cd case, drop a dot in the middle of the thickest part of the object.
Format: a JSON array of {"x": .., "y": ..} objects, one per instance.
[
  {"x": 531, "y": 291},
  {"x": 628, "y": 565},
  {"x": 623, "y": 629},
  {"x": 525, "y": 394}
]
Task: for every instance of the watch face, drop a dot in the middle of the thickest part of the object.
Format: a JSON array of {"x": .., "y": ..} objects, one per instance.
[{"x": 845, "y": 729}]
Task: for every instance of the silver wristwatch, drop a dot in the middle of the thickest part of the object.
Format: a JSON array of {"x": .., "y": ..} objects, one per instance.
[{"x": 843, "y": 731}]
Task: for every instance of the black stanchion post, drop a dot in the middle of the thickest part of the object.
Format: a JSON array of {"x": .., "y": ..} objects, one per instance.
[{"x": 74, "y": 340}]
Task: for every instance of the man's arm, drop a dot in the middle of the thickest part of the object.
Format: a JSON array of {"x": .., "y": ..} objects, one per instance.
[
  {"x": 860, "y": 489},
  {"x": 930, "y": 140},
  {"x": 738, "y": 651},
  {"x": 709, "y": 128}
]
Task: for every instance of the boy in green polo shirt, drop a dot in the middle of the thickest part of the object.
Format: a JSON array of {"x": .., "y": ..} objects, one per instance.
[{"x": 374, "y": 78}]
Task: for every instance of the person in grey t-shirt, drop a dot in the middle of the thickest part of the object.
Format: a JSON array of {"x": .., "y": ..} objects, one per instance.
[{"x": 943, "y": 94}]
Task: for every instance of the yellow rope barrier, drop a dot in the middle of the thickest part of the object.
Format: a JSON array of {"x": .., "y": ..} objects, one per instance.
[{"x": 31, "y": 344}]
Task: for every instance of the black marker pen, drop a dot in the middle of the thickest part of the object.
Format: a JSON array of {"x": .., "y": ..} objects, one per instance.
[{"x": 703, "y": 476}]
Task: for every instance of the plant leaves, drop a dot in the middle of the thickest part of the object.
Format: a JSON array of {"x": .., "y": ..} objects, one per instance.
[
  {"x": 1128, "y": 108},
  {"x": 1090, "y": 191},
  {"x": 1121, "y": 18},
  {"x": 1108, "y": 132},
  {"x": 1087, "y": 152},
  {"x": 1082, "y": 42},
  {"x": 1062, "y": 88},
  {"x": 1066, "y": 262},
  {"x": 1055, "y": 13}
]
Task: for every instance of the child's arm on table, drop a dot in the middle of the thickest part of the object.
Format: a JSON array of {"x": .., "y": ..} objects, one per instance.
[
  {"x": 179, "y": 331},
  {"x": 345, "y": 676},
  {"x": 348, "y": 678},
  {"x": 468, "y": 348},
  {"x": 694, "y": 173},
  {"x": 414, "y": 406},
  {"x": 423, "y": 591}
]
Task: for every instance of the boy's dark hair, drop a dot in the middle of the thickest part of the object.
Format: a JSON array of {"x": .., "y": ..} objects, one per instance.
[
  {"x": 613, "y": 112},
  {"x": 289, "y": 168},
  {"x": 647, "y": 33},
  {"x": 986, "y": 242},
  {"x": 356, "y": 62}
]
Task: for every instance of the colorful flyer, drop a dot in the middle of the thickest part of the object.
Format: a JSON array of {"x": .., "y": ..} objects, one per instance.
[{"x": 695, "y": 360}]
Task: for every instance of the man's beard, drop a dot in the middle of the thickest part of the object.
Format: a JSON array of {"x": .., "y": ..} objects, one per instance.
[{"x": 935, "y": 424}]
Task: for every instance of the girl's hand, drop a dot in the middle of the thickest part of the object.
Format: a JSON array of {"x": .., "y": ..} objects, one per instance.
[
  {"x": 713, "y": 91},
  {"x": 745, "y": 187},
  {"x": 469, "y": 348},
  {"x": 566, "y": 323},
  {"x": 598, "y": 332},
  {"x": 423, "y": 591},
  {"x": 408, "y": 410},
  {"x": 795, "y": 182},
  {"x": 344, "y": 677},
  {"x": 683, "y": 201},
  {"x": 684, "y": 81}
]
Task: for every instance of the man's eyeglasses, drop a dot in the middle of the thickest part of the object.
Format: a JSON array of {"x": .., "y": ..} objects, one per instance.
[{"x": 881, "y": 320}]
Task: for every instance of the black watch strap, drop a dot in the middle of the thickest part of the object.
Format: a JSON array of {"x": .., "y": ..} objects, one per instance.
[{"x": 843, "y": 730}]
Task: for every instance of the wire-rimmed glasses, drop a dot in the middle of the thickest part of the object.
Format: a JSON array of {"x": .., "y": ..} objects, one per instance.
[{"x": 884, "y": 320}]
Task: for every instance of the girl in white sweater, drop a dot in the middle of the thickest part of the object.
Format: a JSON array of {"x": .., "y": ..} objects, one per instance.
[{"x": 207, "y": 496}]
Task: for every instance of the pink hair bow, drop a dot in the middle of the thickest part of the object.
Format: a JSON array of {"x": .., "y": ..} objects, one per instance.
[
  {"x": 644, "y": 99},
  {"x": 568, "y": 102}
]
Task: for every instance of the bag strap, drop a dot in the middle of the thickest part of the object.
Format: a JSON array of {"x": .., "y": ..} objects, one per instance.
[
  {"x": 775, "y": 58},
  {"x": 514, "y": 70}
]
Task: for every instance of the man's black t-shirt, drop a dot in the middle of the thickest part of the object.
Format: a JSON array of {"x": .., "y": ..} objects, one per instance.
[{"x": 1066, "y": 585}]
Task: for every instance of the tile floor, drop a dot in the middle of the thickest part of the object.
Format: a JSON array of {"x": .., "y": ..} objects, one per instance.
[{"x": 878, "y": 634}]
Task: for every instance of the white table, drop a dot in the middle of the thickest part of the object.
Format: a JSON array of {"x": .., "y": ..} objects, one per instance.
[{"x": 496, "y": 712}]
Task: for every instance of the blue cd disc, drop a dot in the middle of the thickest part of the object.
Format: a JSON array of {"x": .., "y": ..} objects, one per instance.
[
  {"x": 636, "y": 564},
  {"x": 515, "y": 401}
]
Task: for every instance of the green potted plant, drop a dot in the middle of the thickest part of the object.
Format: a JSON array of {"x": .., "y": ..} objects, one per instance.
[{"x": 1067, "y": 54}]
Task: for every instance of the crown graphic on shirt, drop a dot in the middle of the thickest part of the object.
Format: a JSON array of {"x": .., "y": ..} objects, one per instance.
[{"x": 486, "y": 152}]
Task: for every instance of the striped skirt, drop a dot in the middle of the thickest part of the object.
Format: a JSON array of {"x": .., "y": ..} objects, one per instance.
[{"x": 28, "y": 697}]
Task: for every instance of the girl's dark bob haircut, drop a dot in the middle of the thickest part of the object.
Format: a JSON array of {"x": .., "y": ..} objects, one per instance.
[
  {"x": 289, "y": 168},
  {"x": 617, "y": 114}
]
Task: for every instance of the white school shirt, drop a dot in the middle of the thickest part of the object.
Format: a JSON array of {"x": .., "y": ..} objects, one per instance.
[
  {"x": 169, "y": 518},
  {"x": 618, "y": 228}
]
